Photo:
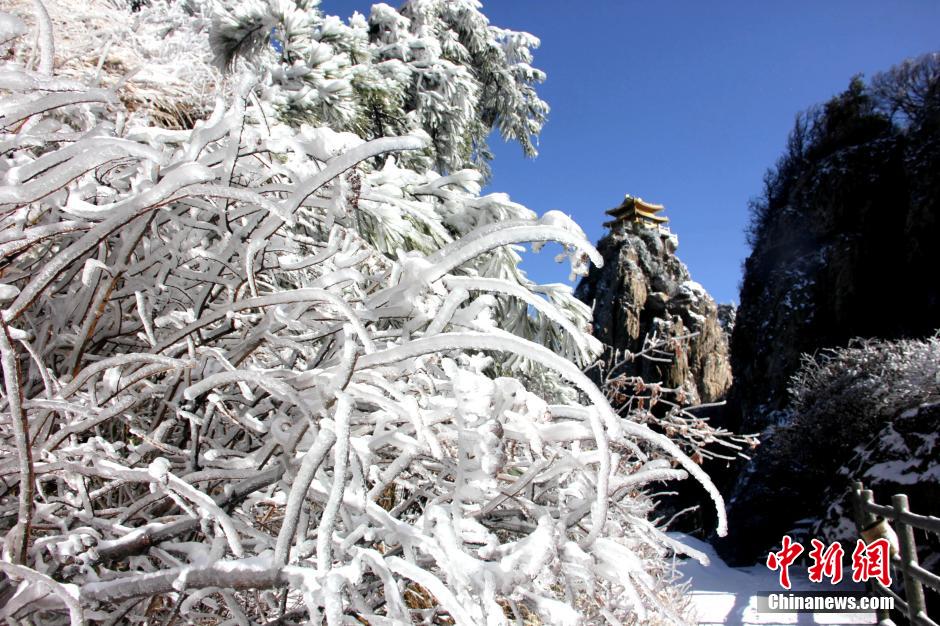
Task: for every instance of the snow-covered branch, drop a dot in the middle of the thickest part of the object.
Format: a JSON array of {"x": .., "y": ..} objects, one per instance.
[{"x": 250, "y": 357}]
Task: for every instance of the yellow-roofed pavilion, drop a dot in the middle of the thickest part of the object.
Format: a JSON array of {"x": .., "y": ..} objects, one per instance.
[{"x": 637, "y": 211}]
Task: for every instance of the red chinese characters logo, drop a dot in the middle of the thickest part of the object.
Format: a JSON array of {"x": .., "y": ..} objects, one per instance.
[
  {"x": 872, "y": 561},
  {"x": 869, "y": 561},
  {"x": 783, "y": 559},
  {"x": 826, "y": 563}
]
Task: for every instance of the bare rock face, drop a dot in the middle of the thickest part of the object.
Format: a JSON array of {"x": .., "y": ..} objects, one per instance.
[{"x": 643, "y": 289}]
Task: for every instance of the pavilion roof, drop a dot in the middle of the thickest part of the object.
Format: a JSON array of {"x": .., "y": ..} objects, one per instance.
[{"x": 637, "y": 206}]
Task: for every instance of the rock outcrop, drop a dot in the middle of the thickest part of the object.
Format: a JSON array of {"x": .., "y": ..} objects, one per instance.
[{"x": 644, "y": 289}]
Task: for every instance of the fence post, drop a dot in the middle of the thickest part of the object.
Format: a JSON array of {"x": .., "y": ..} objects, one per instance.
[
  {"x": 861, "y": 496},
  {"x": 864, "y": 519},
  {"x": 912, "y": 586}
]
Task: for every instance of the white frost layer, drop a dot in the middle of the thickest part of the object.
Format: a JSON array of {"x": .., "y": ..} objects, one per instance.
[{"x": 10, "y": 27}]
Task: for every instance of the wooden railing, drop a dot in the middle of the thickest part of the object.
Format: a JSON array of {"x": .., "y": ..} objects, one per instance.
[{"x": 903, "y": 522}]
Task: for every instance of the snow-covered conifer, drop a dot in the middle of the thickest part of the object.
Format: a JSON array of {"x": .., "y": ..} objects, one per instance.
[{"x": 263, "y": 367}]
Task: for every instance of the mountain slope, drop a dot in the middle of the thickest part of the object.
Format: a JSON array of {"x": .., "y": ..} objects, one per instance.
[{"x": 844, "y": 246}]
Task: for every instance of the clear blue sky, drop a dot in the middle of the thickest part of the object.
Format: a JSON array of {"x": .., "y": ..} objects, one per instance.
[{"x": 684, "y": 104}]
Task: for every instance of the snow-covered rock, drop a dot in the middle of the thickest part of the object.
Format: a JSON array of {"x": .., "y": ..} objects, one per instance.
[{"x": 644, "y": 288}]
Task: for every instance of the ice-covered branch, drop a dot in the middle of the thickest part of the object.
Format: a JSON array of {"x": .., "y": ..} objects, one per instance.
[
  {"x": 19, "y": 538},
  {"x": 241, "y": 354}
]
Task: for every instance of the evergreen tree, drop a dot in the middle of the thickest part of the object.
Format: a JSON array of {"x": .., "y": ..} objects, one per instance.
[{"x": 435, "y": 67}]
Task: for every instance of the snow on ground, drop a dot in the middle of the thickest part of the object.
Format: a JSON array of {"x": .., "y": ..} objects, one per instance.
[{"x": 728, "y": 595}]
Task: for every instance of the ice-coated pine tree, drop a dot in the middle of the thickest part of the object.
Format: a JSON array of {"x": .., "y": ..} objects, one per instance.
[
  {"x": 282, "y": 366},
  {"x": 436, "y": 68}
]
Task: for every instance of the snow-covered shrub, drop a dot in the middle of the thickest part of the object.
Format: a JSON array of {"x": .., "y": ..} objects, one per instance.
[
  {"x": 436, "y": 67},
  {"x": 226, "y": 399},
  {"x": 844, "y": 396},
  {"x": 869, "y": 412},
  {"x": 864, "y": 412},
  {"x": 160, "y": 56},
  {"x": 667, "y": 409}
]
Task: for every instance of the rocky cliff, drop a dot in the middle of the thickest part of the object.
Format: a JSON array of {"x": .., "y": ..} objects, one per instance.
[
  {"x": 844, "y": 238},
  {"x": 844, "y": 245},
  {"x": 644, "y": 289}
]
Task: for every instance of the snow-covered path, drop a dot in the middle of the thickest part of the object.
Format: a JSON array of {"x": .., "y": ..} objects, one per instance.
[{"x": 728, "y": 595}]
